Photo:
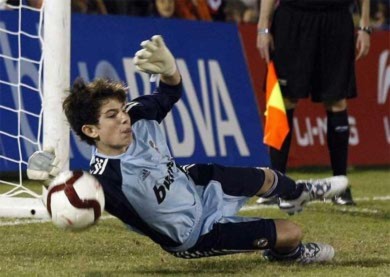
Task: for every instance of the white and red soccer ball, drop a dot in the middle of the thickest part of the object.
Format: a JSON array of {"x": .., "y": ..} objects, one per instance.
[{"x": 74, "y": 200}]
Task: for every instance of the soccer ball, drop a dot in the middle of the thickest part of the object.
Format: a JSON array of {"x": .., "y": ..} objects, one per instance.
[{"x": 74, "y": 200}]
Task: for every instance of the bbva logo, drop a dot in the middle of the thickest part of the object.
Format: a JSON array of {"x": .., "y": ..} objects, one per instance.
[{"x": 383, "y": 77}]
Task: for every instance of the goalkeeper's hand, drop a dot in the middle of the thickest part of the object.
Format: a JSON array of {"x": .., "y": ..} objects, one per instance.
[
  {"x": 43, "y": 165},
  {"x": 155, "y": 57}
]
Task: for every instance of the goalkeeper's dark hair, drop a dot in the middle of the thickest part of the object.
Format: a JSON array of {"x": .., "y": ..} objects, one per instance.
[{"x": 83, "y": 104}]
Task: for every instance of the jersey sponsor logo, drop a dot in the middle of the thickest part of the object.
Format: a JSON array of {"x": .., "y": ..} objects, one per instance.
[
  {"x": 161, "y": 190},
  {"x": 99, "y": 166}
]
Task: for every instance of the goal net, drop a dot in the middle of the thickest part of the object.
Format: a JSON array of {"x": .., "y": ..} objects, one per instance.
[{"x": 34, "y": 77}]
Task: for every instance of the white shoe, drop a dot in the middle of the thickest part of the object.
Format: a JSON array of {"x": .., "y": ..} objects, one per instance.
[
  {"x": 311, "y": 252},
  {"x": 314, "y": 190},
  {"x": 316, "y": 253}
]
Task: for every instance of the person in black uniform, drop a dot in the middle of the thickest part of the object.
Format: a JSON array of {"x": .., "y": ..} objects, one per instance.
[{"x": 312, "y": 44}]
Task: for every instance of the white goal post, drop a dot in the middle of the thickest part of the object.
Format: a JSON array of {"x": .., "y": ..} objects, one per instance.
[{"x": 52, "y": 84}]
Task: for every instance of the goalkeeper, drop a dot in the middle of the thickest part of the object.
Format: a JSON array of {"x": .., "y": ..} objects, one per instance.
[{"x": 190, "y": 211}]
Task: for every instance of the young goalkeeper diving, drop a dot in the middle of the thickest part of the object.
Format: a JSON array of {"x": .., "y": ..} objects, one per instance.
[{"x": 190, "y": 211}]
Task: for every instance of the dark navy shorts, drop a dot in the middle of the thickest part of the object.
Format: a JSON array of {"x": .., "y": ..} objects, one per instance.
[
  {"x": 233, "y": 234},
  {"x": 233, "y": 238}
]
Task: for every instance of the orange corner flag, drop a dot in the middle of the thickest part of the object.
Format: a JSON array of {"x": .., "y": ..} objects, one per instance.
[{"x": 276, "y": 124}]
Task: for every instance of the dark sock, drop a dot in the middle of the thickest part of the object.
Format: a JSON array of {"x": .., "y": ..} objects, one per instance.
[
  {"x": 283, "y": 187},
  {"x": 288, "y": 256},
  {"x": 279, "y": 157},
  {"x": 337, "y": 138}
]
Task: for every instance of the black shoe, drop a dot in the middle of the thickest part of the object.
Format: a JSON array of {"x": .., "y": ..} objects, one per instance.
[{"x": 344, "y": 199}]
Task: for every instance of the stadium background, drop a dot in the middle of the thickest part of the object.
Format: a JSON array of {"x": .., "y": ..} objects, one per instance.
[
  {"x": 37, "y": 248},
  {"x": 220, "y": 116}
]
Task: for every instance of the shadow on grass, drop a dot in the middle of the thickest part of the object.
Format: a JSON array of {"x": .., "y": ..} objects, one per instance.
[
  {"x": 226, "y": 267},
  {"x": 192, "y": 267},
  {"x": 371, "y": 263}
]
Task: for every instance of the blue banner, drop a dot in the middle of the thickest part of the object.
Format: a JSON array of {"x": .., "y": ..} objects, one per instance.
[{"x": 217, "y": 119}]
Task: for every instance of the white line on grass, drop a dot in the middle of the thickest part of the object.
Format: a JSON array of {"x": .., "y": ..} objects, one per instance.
[
  {"x": 245, "y": 208},
  {"x": 37, "y": 220},
  {"x": 343, "y": 209}
]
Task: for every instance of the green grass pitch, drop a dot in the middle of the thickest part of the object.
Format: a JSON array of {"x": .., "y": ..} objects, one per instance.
[{"x": 360, "y": 235}]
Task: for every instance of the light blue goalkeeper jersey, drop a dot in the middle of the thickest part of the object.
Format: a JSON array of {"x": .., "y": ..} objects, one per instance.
[{"x": 146, "y": 189}]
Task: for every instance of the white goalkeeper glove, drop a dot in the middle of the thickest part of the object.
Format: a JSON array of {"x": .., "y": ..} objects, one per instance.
[
  {"x": 155, "y": 57},
  {"x": 43, "y": 165}
]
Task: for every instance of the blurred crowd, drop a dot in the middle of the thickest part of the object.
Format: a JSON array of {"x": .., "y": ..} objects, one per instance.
[
  {"x": 209, "y": 10},
  {"x": 238, "y": 11}
]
